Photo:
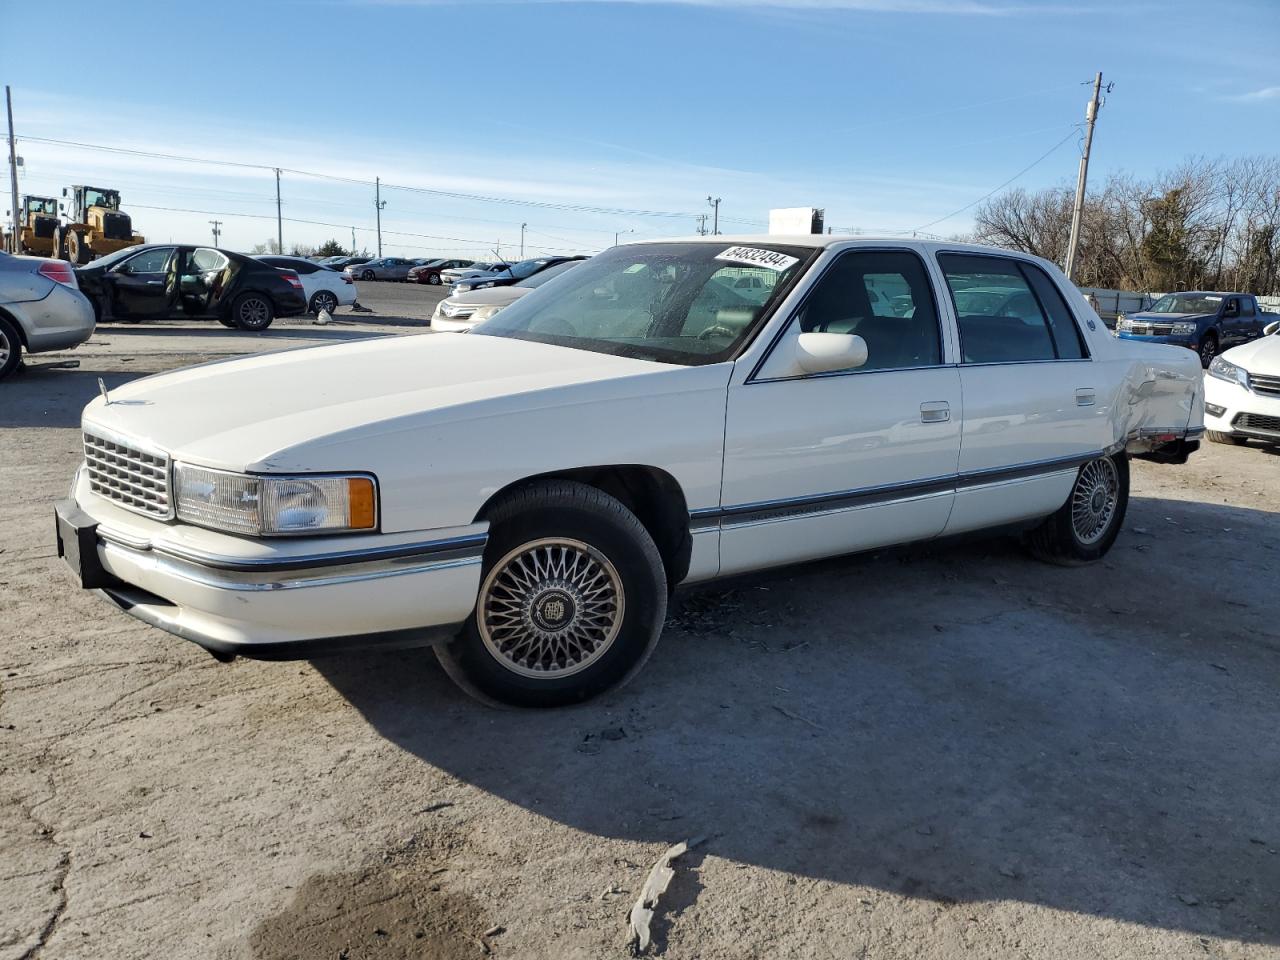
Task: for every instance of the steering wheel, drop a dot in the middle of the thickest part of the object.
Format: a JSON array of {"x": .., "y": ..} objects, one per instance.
[{"x": 717, "y": 330}]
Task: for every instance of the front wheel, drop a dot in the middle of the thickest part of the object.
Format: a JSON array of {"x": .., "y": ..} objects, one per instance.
[
  {"x": 434, "y": 279},
  {"x": 1086, "y": 526},
  {"x": 572, "y": 600},
  {"x": 1208, "y": 349},
  {"x": 366, "y": 275},
  {"x": 1215, "y": 437},
  {"x": 252, "y": 311}
]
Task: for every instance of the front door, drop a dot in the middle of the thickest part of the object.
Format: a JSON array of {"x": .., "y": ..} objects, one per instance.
[
  {"x": 818, "y": 465},
  {"x": 1034, "y": 409},
  {"x": 142, "y": 286}
]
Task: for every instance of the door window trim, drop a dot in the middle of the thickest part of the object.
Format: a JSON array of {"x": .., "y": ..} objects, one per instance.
[
  {"x": 754, "y": 375},
  {"x": 1020, "y": 261}
]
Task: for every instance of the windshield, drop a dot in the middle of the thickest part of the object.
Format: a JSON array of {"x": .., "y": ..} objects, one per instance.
[
  {"x": 538, "y": 279},
  {"x": 659, "y": 301},
  {"x": 93, "y": 197},
  {"x": 1186, "y": 303},
  {"x": 43, "y": 205},
  {"x": 527, "y": 268}
]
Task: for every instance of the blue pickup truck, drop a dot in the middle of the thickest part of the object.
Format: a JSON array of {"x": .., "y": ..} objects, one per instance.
[{"x": 1204, "y": 321}]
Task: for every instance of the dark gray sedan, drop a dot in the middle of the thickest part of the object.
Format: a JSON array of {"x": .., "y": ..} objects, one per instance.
[{"x": 382, "y": 268}]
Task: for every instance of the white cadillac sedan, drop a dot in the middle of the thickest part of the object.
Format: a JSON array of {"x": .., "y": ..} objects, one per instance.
[
  {"x": 1242, "y": 391},
  {"x": 525, "y": 497}
]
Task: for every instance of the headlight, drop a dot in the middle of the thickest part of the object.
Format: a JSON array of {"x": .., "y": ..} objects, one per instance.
[
  {"x": 275, "y": 506},
  {"x": 484, "y": 313},
  {"x": 1182, "y": 329},
  {"x": 1226, "y": 370}
]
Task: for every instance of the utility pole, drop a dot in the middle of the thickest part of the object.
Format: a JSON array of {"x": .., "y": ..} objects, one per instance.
[
  {"x": 279, "y": 219},
  {"x": 13, "y": 166},
  {"x": 216, "y": 224},
  {"x": 1077, "y": 212},
  {"x": 522, "y": 226},
  {"x": 715, "y": 206},
  {"x": 378, "y": 204},
  {"x": 702, "y": 224}
]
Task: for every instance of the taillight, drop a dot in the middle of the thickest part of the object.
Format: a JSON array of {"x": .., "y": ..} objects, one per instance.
[
  {"x": 59, "y": 271},
  {"x": 292, "y": 278}
]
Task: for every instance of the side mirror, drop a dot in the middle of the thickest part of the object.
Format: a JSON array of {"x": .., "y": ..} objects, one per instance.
[
  {"x": 828, "y": 352},
  {"x": 1271, "y": 329}
]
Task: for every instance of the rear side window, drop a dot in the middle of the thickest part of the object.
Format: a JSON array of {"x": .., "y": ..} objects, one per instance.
[{"x": 1001, "y": 314}]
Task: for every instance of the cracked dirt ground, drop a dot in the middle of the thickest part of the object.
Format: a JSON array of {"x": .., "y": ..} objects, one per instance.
[{"x": 933, "y": 752}]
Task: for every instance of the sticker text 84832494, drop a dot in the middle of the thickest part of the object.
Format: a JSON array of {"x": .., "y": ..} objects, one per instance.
[{"x": 756, "y": 257}]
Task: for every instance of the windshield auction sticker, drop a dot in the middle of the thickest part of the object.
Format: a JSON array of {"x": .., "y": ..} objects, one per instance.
[{"x": 755, "y": 257}]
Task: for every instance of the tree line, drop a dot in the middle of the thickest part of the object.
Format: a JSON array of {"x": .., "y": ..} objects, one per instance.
[{"x": 1205, "y": 224}]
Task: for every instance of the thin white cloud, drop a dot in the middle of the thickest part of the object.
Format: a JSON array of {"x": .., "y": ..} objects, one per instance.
[{"x": 1266, "y": 93}]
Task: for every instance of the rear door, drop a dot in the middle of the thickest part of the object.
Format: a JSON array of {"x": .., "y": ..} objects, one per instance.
[
  {"x": 1033, "y": 410},
  {"x": 141, "y": 286}
]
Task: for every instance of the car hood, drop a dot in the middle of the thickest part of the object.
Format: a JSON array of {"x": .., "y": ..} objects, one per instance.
[
  {"x": 1168, "y": 317},
  {"x": 294, "y": 410},
  {"x": 1257, "y": 356},
  {"x": 504, "y": 296}
]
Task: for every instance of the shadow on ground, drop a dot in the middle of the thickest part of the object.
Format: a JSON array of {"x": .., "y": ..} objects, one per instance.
[{"x": 951, "y": 722}]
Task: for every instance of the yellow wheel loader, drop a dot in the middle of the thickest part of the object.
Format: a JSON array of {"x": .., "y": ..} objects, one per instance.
[
  {"x": 37, "y": 223},
  {"x": 95, "y": 226}
]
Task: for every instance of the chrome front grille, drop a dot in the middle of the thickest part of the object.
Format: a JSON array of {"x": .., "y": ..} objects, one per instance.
[
  {"x": 1267, "y": 386},
  {"x": 122, "y": 473}
]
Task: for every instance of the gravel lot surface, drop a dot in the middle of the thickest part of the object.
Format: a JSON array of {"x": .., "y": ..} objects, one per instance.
[{"x": 945, "y": 750}]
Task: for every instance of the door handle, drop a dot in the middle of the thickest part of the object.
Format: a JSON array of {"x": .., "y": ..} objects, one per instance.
[
  {"x": 155, "y": 283},
  {"x": 935, "y": 411},
  {"x": 1085, "y": 397}
]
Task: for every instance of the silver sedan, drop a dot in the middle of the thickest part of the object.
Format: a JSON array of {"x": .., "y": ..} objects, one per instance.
[
  {"x": 383, "y": 268},
  {"x": 41, "y": 309}
]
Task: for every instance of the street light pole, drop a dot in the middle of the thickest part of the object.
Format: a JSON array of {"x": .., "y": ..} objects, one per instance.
[
  {"x": 522, "y": 228},
  {"x": 618, "y": 233},
  {"x": 13, "y": 167},
  {"x": 279, "y": 219},
  {"x": 378, "y": 204}
]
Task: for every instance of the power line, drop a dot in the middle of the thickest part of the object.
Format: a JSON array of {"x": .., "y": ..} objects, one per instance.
[{"x": 1044, "y": 156}]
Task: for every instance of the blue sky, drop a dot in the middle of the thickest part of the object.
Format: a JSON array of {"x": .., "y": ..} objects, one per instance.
[{"x": 889, "y": 113}]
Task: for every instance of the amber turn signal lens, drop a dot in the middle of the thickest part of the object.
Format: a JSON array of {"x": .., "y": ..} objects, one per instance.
[{"x": 361, "y": 508}]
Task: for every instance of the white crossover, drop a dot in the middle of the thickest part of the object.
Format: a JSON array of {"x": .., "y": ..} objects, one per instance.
[
  {"x": 1242, "y": 391},
  {"x": 524, "y": 497}
]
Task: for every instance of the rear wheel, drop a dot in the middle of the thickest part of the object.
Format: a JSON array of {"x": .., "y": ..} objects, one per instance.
[
  {"x": 324, "y": 300},
  {"x": 366, "y": 275},
  {"x": 1086, "y": 526},
  {"x": 433, "y": 279},
  {"x": 1232, "y": 438},
  {"x": 571, "y": 603},
  {"x": 1208, "y": 349},
  {"x": 252, "y": 311},
  {"x": 226, "y": 320},
  {"x": 10, "y": 348},
  {"x": 77, "y": 250}
]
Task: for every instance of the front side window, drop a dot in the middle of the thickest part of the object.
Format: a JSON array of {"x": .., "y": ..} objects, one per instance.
[
  {"x": 661, "y": 301},
  {"x": 155, "y": 260},
  {"x": 885, "y": 298},
  {"x": 1246, "y": 306},
  {"x": 1001, "y": 313}
]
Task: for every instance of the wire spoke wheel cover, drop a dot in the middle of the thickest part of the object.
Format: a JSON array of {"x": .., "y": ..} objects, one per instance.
[
  {"x": 1094, "y": 500},
  {"x": 551, "y": 608}
]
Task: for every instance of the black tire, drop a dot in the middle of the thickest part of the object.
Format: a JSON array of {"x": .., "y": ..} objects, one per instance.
[
  {"x": 252, "y": 311},
  {"x": 366, "y": 275},
  {"x": 324, "y": 299},
  {"x": 433, "y": 279},
  {"x": 227, "y": 320},
  {"x": 59, "y": 244},
  {"x": 1059, "y": 539},
  {"x": 77, "y": 251},
  {"x": 1208, "y": 349},
  {"x": 10, "y": 348},
  {"x": 491, "y": 658},
  {"x": 1231, "y": 438}
]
